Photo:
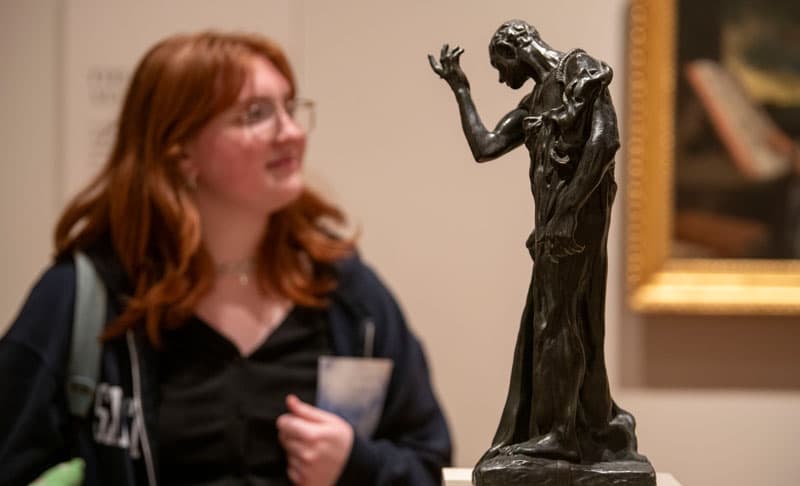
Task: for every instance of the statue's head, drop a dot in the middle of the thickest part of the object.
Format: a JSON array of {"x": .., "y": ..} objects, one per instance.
[
  {"x": 512, "y": 35},
  {"x": 504, "y": 51}
]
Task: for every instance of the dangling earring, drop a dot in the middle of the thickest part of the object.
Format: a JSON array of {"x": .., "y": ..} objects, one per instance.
[
  {"x": 191, "y": 181},
  {"x": 177, "y": 153}
]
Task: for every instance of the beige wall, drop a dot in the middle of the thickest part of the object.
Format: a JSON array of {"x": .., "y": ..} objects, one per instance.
[
  {"x": 28, "y": 125},
  {"x": 718, "y": 400}
]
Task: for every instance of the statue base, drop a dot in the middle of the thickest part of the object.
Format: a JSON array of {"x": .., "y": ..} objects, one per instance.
[{"x": 532, "y": 471}]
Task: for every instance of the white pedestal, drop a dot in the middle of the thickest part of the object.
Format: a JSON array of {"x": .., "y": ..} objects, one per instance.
[
  {"x": 457, "y": 476},
  {"x": 462, "y": 476}
]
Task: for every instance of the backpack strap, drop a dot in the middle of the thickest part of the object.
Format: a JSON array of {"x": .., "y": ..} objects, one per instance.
[
  {"x": 351, "y": 300},
  {"x": 89, "y": 316}
]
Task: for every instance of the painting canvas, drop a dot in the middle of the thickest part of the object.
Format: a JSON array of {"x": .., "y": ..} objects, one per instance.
[
  {"x": 713, "y": 157},
  {"x": 737, "y": 130}
]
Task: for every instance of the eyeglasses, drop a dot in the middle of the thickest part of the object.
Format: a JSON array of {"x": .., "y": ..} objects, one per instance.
[{"x": 265, "y": 111}]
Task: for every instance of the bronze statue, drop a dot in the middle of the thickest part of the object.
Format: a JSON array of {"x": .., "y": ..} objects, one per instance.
[{"x": 559, "y": 407}]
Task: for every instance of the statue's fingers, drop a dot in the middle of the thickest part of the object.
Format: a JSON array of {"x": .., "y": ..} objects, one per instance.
[
  {"x": 445, "y": 49},
  {"x": 457, "y": 52},
  {"x": 569, "y": 248},
  {"x": 547, "y": 249},
  {"x": 575, "y": 247},
  {"x": 435, "y": 65},
  {"x": 560, "y": 250},
  {"x": 566, "y": 246},
  {"x": 563, "y": 247}
]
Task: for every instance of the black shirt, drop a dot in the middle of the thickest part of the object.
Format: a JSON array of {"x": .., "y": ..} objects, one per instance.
[{"x": 218, "y": 408}]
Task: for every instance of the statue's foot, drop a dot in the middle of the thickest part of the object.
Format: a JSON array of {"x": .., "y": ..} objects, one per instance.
[
  {"x": 493, "y": 451},
  {"x": 620, "y": 437},
  {"x": 548, "y": 446},
  {"x": 624, "y": 419}
]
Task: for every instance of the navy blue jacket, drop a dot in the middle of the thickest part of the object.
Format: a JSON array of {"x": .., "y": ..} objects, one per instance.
[{"x": 118, "y": 439}]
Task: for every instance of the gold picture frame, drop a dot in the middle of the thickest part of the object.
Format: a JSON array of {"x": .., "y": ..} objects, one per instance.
[{"x": 657, "y": 281}]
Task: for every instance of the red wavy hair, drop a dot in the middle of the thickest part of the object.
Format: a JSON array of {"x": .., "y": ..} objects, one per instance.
[{"x": 140, "y": 202}]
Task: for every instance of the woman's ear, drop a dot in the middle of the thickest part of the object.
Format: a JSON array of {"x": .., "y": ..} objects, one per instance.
[
  {"x": 191, "y": 180},
  {"x": 186, "y": 165}
]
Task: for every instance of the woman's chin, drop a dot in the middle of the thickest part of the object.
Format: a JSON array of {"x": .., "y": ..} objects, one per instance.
[{"x": 288, "y": 193}]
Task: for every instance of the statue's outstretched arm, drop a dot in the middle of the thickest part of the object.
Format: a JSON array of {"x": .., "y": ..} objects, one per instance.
[{"x": 485, "y": 144}]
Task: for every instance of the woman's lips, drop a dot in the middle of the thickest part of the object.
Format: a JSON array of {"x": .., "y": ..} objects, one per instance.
[{"x": 283, "y": 163}]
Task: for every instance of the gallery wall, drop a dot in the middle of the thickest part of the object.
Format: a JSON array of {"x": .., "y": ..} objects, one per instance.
[{"x": 717, "y": 399}]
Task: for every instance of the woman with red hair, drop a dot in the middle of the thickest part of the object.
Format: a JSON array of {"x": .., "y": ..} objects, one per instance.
[{"x": 227, "y": 281}]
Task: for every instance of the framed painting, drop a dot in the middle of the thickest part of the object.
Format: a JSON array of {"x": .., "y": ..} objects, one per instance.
[{"x": 714, "y": 157}]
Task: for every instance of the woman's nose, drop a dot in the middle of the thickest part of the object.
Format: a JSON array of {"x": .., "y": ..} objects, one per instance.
[{"x": 288, "y": 127}]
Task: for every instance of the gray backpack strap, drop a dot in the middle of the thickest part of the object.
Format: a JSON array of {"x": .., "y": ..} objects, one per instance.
[{"x": 84, "y": 358}]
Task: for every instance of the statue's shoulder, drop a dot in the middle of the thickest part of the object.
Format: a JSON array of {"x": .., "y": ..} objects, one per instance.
[
  {"x": 526, "y": 102},
  {"x": 578, "y": 63}
]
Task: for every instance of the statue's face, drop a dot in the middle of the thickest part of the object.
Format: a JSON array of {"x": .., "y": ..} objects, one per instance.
[{"x": 509, "y": 69}]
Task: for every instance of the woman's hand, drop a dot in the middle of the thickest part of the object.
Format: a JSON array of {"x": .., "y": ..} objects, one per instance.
[{"x": 317, "y": 443}]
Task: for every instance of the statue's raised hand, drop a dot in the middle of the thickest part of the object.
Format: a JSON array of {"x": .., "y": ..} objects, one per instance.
[{"x": 448, "y": 67}]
